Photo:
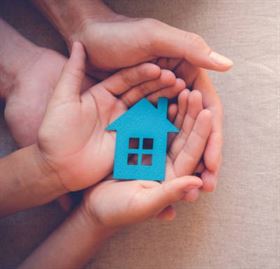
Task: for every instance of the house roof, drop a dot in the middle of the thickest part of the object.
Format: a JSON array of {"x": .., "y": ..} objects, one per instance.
[{"x": 145, "y": 116}]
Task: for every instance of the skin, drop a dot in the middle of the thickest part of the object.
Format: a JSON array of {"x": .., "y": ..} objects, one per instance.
[
  {"x": 29, "y": 68},
  {"x": 138, "y": 40},
  {"x": 65, "y": 156},
  {"x": 29, "y": 75},
  {"x": 73, "y": 136},
  {"x": 112, "y": 205}
]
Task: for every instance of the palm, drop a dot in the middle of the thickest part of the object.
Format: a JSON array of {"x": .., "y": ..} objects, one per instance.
[
  {"x": 91, "y": 152},
  {"x": 124, "y": 202},
  {"x": 119, "y": 203}
]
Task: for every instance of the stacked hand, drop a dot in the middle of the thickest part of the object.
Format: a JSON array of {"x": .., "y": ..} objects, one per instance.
[
  {"x": 141, "y": 40},
  {"x": 134, "y": 58},
  {"x": 135, "y": 41},
  {"x": 72, "y": 138},
  {"x": 75, "y": 144}
]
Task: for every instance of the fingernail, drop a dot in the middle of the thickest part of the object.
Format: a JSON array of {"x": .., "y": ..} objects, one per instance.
[{"x": 220, "y": 59}]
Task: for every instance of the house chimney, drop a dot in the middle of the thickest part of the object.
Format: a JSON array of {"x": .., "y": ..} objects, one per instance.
[{"x": 162, "y": 105}]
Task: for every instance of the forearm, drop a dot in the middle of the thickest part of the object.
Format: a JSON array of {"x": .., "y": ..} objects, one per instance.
[
  {"x": 71, "y": 245},
  {"x": 69, "y": 16},
  {"x": 26, "y": 181},
  {"x": 15, "y": 53}
]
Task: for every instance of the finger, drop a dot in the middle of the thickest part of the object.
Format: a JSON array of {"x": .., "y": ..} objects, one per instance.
[
  {"x": 128, "y": 78},
  {"x": 213, "y": 150},
  {"x": 192, "y": 195},
  {"x": 169, "y": 41},
  {"x": 167, "y": 214},
  {"x": 72, "y": 76},
  {"x": 166, "y": 79},
  {"x": 172, "y": 111},
  {"x": 210, "y": 179},
  {"x": 180, "y": 115},
  {"x": 193, "y": 149},
  {"x": 169, "y": 192},
  {"x": 194, "y": 107},
  {"x": 169, "y": 92},
  {"x": 212, "y": 102},
  {"x": 182, "y": 108}
]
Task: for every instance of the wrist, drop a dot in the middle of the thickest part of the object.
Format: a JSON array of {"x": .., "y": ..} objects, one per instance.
[
  {"x": 92, "y": 220},
  {"x": 46, "y": 173},
  {"x": 26, "y": 181},
  {"x": 70, "y": 16}
]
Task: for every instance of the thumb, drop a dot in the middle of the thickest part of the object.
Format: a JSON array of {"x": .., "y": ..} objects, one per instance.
[
  {"x": 72, "y": 76},
  {"x": 170, "y": 192},
  {"x": 169, "y": 41}
]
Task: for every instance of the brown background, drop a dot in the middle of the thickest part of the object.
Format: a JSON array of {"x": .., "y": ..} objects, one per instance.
[{"x": 238, "y": 225}]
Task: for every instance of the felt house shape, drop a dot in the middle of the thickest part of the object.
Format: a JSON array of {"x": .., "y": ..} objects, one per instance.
[{"x": 141, "y": 141}]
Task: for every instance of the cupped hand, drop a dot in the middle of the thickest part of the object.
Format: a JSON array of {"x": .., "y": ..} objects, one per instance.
[
  {"x": 72, "y": 138},
  {"x": 140, "y": 40},
  {"x": 115, "y": 203},
  {"x": 198, "y": 79},
  {"x": 121, "y": 41}
]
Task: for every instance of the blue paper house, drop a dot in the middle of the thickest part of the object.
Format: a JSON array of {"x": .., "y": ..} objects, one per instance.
[{"x": 141, "y": 142}]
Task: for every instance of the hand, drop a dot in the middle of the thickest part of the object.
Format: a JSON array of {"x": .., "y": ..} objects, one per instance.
[
  {"x": 27, "y": 101},
  {"x": 170, "y": 48},
  {"x": 118, "y": 203},
  {"x": 72, "y": 138},
  {"x": 140, "y": 40},
  {"x": 197, "y": 78}
]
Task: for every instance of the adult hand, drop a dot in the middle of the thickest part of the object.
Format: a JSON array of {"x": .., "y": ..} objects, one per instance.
[
  {"x": 124, "y": 42},
  {"x": 113, "y": 41},
  {"x": 26, "y": 102}
]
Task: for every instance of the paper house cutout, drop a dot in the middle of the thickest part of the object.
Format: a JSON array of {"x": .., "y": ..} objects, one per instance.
[{"x": 142, "y": 134}]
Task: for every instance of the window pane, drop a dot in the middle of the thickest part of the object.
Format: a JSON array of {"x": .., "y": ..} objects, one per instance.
[
  {"x": 148, "y": 143},
  {"x": 134, "y": 143},
  {"x": 132, "y": 159},
  {"x": 147, "y": 159}
]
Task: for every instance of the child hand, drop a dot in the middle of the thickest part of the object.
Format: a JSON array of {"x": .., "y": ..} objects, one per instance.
[
  {"x": 72, "y": 138},
  {"x": 118, "y": 203}
]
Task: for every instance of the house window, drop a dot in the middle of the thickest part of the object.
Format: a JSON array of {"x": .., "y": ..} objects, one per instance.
[{"x": 140, "y": 151}]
